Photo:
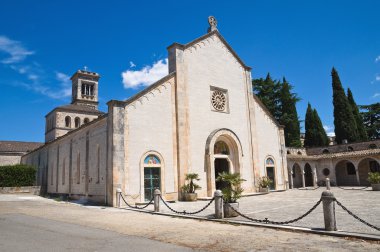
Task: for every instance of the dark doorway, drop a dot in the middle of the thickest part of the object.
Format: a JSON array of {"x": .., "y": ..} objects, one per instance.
[
  {"x": 152, "y": 181},
  {"x": 308, "y": 175},
  {"x": 221, "y": 165},
  {"x": 270, "y": 175}
]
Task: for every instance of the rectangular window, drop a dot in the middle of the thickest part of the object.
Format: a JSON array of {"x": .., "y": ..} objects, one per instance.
[{"x": 350, "y": 169}]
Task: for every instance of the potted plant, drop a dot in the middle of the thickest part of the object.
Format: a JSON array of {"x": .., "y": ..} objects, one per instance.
[
  {"x": 231, "y": 192},
  {"x": 264, "y": 183},
  {"x": 374, "y": 179},
  {"x": 190, "y": 186}
]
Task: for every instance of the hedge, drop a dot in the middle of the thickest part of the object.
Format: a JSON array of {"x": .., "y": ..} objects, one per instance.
[{"x": 17, "y": 175}]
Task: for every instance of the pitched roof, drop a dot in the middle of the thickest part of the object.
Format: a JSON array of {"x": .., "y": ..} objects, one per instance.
[
  {"x": 15, "y": 146},
  {"x": 77, "y": 108},
  {"x": 216, "y": 32}
]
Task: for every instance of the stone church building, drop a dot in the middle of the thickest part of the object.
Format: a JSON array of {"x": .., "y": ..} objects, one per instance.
[{"x": 202, "y": 117}]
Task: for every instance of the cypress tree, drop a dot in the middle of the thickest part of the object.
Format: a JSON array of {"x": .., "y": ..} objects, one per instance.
[
  {"x": 321, "y": 138},
  {"x": 289, "y": 116},
  {"x": 362, "y": 134},
  {"x": 315, "y": 134},
  {"x": 309, "y": 129},
  {"x": 344, "y": 121}
]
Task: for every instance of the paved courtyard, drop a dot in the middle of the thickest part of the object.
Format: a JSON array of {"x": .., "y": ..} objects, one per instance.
[
  {"x": 287, "y": 205},
  {"x": 32, "y": 223}
]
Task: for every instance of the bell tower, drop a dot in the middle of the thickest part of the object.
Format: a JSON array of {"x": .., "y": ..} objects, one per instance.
[{"x": 85, "y": 88}]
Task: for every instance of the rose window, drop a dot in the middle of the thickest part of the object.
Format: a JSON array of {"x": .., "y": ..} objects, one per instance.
[{"x": 218, "y": 100}]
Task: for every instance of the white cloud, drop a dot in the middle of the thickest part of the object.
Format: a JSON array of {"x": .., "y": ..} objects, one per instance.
[
  {"x": 376, "y": 95},
  {"x": 377, "y": 59},
  {"x": 65, "y": 84},
  {"x": 131, "y": 64},
  {"x": 146, "y": 76},
  {"x": 377, "y": 78},
  {"x": 15, "y": 50},
  {"x": 329, "y": 130}
]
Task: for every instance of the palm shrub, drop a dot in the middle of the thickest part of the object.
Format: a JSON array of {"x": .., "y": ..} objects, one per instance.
[
  {"x": 233, "y": 190},
  {"x": 191, "y": 186},
  {"x": 265, "y": 182}
]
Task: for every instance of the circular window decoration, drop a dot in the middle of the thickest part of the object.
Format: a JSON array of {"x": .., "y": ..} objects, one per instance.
[
  {"x": 326, "y": 172},
  {"x": 218, "y": 100}
]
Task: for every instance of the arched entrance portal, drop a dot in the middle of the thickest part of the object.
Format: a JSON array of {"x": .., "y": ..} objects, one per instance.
[
  {"x": 345, "y": 173},
  {"x": 365, "y": 166},
  {"x": 297, "y": 176},
  {"x": 223, "y": 154},
  {"x": 308, "y": 175}
]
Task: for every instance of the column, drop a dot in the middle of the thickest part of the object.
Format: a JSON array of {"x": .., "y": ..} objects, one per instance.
[
  {"x": 314, "y": 176},
  {"x": 303, "y": 177}
]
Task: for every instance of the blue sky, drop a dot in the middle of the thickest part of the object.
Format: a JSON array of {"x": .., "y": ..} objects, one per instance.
[{"x": 42, "y": 43}]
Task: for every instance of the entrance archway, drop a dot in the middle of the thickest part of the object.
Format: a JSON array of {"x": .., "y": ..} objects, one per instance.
[
  {"x": 365, "y": 166},
  {"x": 345, "y": 173},
  {"x": 223, "y": 154},
  {"x": 152, "y": 168},
  {"x": 308, "y": 175},
  {"x": 297, "y": 176}
]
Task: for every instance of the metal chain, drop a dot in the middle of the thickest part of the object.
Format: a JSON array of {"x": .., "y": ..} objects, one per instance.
[
  {"x": 136, "y": 207},
  {"x": 184, "y": 211},
  {"x": 356, "y": 217},
  {"x": 353, "y": 188},
  {"x": 278, "y": 222},
  {"x": 315, "y": 188}
]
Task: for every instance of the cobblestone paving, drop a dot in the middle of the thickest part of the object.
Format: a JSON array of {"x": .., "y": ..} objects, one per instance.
[{"x": 283, "y": 206}]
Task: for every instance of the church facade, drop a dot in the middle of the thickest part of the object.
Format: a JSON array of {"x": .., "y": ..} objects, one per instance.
[{"x": 201, "y": 118}]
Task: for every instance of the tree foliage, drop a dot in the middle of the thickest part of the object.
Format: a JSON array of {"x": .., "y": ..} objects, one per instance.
[
  {"x": 17, "y": 175},
  {"x": 362, "y": 134},
  {"x": 315, "y": 134},
  {"x": 280, "y": 101},
  {"x": 344, "y": 121},
  {"x": 371, "y": 120}
]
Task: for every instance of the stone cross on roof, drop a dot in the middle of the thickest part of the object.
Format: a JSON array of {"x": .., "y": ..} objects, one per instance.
[{"x": 213, "y": 23}]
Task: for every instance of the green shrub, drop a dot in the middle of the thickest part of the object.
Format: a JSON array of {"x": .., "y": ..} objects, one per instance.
[{"x": 17, "y": 175}]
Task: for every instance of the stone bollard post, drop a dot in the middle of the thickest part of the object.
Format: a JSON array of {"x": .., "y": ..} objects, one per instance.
[
  {"x": 118, "y": 197},
  {"x": 328, "y": 184},
  {"x": 329, "y": 210},
  {"x": 218, "y": 195},
  {"x": 156, "y": 200}
]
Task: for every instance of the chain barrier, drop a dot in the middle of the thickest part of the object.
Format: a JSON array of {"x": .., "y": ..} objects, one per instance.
[
  {"x": 184, "y": 211},
  {"x": 356, "y": 217},
  {"x": 315, "y": 188},
  {"x": 267, "y": 221},
  {"x": 357, "y": 189},
  {"x": 136, "y": 207}
]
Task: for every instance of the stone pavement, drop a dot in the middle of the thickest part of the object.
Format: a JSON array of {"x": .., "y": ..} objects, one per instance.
[
  {"x": 74, "y": 225},
  {"x": 287, "y": 205}
]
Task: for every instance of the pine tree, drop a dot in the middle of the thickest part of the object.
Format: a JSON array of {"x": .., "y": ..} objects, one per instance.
[
  {"x": 309, "y": 129},
  {"x": 344, "y": 121},
  {"x": 362, "y": 134},
  {"x": 321, "y": 138},
  {"x": 289, "y": 116},
  {"x": 267, "y": 91},
  {"x": 371, "y": 120}
]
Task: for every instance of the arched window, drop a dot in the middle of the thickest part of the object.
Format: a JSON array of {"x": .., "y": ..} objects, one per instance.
[
  {"x": 269, "y": 162},
  {"x": 287, "y": 152},
  {"x": 68, "y": 122},
  {"x": 325, "y": 151},
  {"x": 372, "y": 146},
  {"x": 151, "y": 160},
  {"x": 299, "y": 153},
  {"x": 326, "y": 172},
  {"x": 86, "y": 120},
  {"x": 77, "y": 122},
  {"x": 349, "y": 148},
  {"x": 221, "y": 147}
]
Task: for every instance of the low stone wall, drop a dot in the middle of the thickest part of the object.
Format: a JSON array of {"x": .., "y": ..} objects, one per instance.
[{"x": 22, "y": 189}]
